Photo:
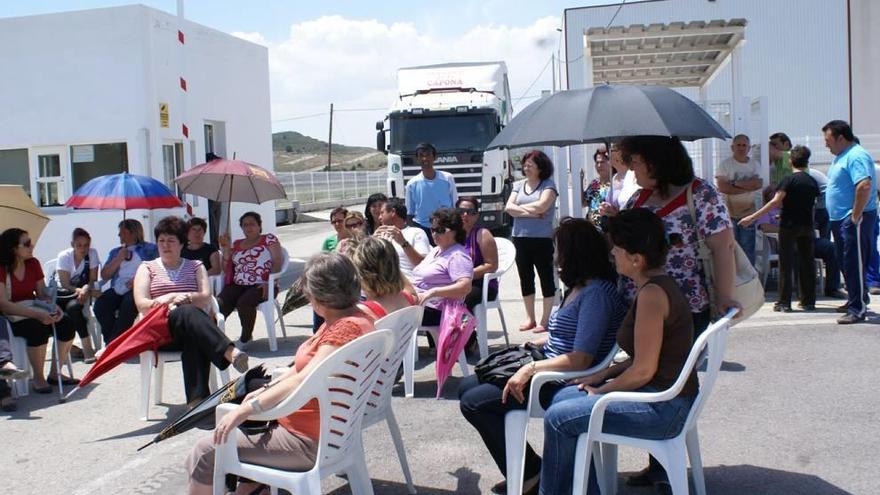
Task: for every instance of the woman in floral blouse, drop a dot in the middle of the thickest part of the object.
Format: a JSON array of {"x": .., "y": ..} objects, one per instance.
[
  {"x": 597, "y": 191},
  {"x": 664, "y": 171},
  {"x": 248, "y": 263}
]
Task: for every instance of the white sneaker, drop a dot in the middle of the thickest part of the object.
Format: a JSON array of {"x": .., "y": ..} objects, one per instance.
[{"x": 241, "y": 346}]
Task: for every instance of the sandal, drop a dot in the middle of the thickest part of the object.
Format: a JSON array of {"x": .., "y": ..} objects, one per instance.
[
  {"x": 539, "y": 329},
  {"x": 43, "y": 390},
  {"x": 65, "y": 380},
  {"x": 526, "y": 326},
  {"x": 12, "y": 374}
]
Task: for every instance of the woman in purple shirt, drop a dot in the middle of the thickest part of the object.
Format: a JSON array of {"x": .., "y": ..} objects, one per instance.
[
  {"x": 447, "y": 271},
  {"x": 481, "y": 245}
]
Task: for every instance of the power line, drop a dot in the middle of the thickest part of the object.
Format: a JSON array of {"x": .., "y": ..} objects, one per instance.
[
  {"x": 337, "y": 110},
  {"x": 299, "y": 117},
  {"x": 536, "y": 79},
  {"x": 615, "y": 14}
]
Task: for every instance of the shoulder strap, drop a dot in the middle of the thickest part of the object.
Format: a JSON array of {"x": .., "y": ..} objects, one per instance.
[
  {"x": 375, "y": 308},
  {"x": 409, "y": 297},
  {"x": 643, "y": 196}
]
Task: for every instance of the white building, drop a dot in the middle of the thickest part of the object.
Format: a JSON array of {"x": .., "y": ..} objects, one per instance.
[
  {"x": 118, "y": 89},
  {"x": 813, "y": 60}
]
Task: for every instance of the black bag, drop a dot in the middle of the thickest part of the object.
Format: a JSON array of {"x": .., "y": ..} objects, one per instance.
[
  {"x": 499, "y": 366},
  {"x": 65, "y": 295}
]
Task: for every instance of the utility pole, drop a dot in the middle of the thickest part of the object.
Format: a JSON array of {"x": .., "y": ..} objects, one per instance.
[
  {"x": 553, "y": 62},
  {"x": 330, "y": 140}
]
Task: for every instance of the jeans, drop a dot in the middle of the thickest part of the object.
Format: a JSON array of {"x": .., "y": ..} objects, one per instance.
[
  {"x": 853, "y": 243},
  {"x": 481, "y": 406},
  {"x": 115, "y": 313},
  {"x": 745, "y": 237},
  {"x": 873, "y": 268},
  {"x": 569, "y": 416}
]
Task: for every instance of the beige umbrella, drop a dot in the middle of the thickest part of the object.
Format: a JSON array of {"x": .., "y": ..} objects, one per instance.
[{"x": 17, "y": 209}]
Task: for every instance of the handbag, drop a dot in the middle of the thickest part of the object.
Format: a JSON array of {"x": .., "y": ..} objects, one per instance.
[
  {"x": 499, "y": 366},
  {"x": 28, "y": 303},
  {"x": 65, "y": 295},
  {"x": 747, "y": 288}
]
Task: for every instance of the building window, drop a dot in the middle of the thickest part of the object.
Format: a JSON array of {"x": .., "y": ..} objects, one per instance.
[
  {"x": 94, "y": 160},
  {"x": 172, "y": 160},
  {"x": 14, "y": 168}
]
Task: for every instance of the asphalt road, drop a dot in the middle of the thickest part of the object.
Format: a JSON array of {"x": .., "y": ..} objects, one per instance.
[{"x": 795, "y": 411}]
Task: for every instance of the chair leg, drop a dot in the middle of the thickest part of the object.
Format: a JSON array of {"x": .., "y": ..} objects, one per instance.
[
  {"x": 692, "y": 440},
  {"x": 267, "y": 309},
  {"x": 358, "y": 477},
  {"x": 482, "y": 330},
  {"x": 583, "y": 455},
  {"x": 503, "y": 325},
  {"x": 409, "y": 366},
  {"x": 212, "y": 379},
  {"x": 401, "y": 451},
  {"x": 19, "y": 357},
  {"x": 672, "y": 458},
  {"x": 280, "y": 319},
  {"x": 160, "y": 381},
  {"x": 146, "y": 378},
  {"x": 609, "y": 469},
  {"x": 463, "y": 364},
  {"x": 516, "y": 424}
]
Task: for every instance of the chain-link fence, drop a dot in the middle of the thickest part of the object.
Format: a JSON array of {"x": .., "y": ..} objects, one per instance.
[{"x": 320, "y": 187}]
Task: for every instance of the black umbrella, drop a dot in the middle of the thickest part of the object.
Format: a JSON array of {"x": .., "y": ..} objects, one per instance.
[
  {"x": 233, "y": 391},
  {"x": 607, "y": 113}
]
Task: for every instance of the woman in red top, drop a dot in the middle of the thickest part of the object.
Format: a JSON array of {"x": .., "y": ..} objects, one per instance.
[
  {"x": 381, "y": 280},
  {"x": 21, "y": 282},
  {"x": 247, "y": 266},
  {"x": 331, "y": 283}
]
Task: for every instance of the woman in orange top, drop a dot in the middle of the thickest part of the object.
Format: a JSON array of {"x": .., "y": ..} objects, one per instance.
[{"x": 332, "y": 285}]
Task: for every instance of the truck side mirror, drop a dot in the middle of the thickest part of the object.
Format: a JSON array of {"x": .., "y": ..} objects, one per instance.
[{"x": 380, "y": 142}]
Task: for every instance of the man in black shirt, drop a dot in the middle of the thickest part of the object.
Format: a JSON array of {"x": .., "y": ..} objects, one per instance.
[{"x": 796, "y": 194}]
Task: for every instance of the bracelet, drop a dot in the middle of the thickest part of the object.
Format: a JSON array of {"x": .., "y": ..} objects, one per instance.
[{"x": 532, "y": 368}]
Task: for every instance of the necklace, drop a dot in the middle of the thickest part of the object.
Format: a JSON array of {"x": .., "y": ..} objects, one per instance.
[{"x": 173, "y": 274}]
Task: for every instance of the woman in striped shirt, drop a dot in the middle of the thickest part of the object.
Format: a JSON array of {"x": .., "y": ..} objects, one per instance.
[
  {"x": 182, "y": 284},
  {"x": 582, "y": 331}
]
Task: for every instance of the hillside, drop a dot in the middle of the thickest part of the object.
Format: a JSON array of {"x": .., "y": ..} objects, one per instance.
[{"x": 294, "y": 152}]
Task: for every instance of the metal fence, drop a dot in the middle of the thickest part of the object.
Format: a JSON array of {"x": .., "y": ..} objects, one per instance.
[{"x": 319, "y": 187}]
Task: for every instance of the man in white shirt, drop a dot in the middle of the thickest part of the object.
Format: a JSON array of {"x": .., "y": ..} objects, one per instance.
[
  {"x": 738, "y": 178},
  {"x": 411, "y": 243}
]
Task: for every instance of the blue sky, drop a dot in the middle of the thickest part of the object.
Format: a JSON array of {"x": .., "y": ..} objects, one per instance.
[{"x": 393, "y": 34}]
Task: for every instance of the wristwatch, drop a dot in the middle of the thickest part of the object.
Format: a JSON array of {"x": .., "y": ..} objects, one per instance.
[
  {"x": 404, "y": 244},
  {"x": 255, "y": 405}
]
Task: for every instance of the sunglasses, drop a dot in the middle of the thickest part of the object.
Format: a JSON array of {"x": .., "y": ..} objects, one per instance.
[
  {"x": 354, "y": 225},
  {"x": 27, "y": 244},
  {"x": 466, "y": 211},
  {"x": 439, "y": 230}
]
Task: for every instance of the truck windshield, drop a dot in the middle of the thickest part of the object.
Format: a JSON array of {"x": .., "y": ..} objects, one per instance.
[{"x": 446, "y": 132}]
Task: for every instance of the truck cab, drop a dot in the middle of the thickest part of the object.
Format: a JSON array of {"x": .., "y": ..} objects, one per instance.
[{"x": 459, "y": 108}]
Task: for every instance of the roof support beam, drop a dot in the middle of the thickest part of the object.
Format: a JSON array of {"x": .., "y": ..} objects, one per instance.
[
  {"x": 671, "y": 33},
  {"x": 656, "y": 65},
  {"x": 717, "y": 47}
]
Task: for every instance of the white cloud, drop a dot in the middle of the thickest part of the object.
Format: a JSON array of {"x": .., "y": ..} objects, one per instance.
[{"x": 353, "y": 63}]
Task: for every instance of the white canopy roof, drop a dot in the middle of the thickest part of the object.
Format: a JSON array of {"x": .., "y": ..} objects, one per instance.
[{"x": 676, "y": 54}]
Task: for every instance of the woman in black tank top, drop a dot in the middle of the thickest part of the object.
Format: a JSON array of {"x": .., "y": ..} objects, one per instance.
[{"x": 657, "y": 333}]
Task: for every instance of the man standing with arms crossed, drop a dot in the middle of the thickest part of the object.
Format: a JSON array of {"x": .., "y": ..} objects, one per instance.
[
  {"x": 738, "y": 178},
  {"x": 429, "y": 190},
  {"x": 851, "y": 200}
]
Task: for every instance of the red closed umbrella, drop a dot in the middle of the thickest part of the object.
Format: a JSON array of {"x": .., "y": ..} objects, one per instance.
[{"x": 148, "y": 333}]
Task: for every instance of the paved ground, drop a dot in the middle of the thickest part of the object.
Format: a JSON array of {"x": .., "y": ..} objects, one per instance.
[{"x": 794, "y": 411}]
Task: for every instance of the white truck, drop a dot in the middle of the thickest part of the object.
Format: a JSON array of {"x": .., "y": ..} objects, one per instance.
[{"x": 459, "y": 108}]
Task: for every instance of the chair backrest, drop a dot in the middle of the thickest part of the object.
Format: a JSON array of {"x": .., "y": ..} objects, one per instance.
[
  {"x": 709, "y": 347},
  {"x": 404, "y": 323},
  {"x": 49, "y": 268},
  {"x": 342, "y": 384},
  {"x": 506, "y": 255}
]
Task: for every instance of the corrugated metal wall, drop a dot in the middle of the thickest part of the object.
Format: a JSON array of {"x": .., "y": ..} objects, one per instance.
[{"x": 795, "y": 52}]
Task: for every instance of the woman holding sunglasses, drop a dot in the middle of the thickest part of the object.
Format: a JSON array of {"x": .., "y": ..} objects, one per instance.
[
  {"x": 355, "y": 229},
  {"x": 447, "y": 271}
]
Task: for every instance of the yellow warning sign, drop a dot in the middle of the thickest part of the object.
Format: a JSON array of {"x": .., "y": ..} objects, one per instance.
[{"x": 163, "y": 114}]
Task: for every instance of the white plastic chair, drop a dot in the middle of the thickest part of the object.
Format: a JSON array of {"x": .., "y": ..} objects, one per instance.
[
  {"x": 270, "y": 307},
  {"x": 49, "y": 268},
  {"x": 670, "y": 453},
  {"x": 342, "y": 384},
  {"x": 516, "y": 423},
  {"x": 404, "y": 323},
  {"x": 767, "y": 255},
  {"x": 410, "y": 358},
  {"x": 506, "y": 257},
  {"x": 148, "y": 359},
  {"x": 18, "y": 346}
]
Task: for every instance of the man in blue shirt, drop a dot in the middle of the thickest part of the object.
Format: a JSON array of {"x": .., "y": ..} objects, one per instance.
[
  {"x": 851, "y": 201},
  {"x": 428, "y": 191}
]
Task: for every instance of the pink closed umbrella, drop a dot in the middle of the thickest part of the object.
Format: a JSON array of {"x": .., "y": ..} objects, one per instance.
[
  {"x": 231, "y": 181},
  {"x": 456, "y": 326}
]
